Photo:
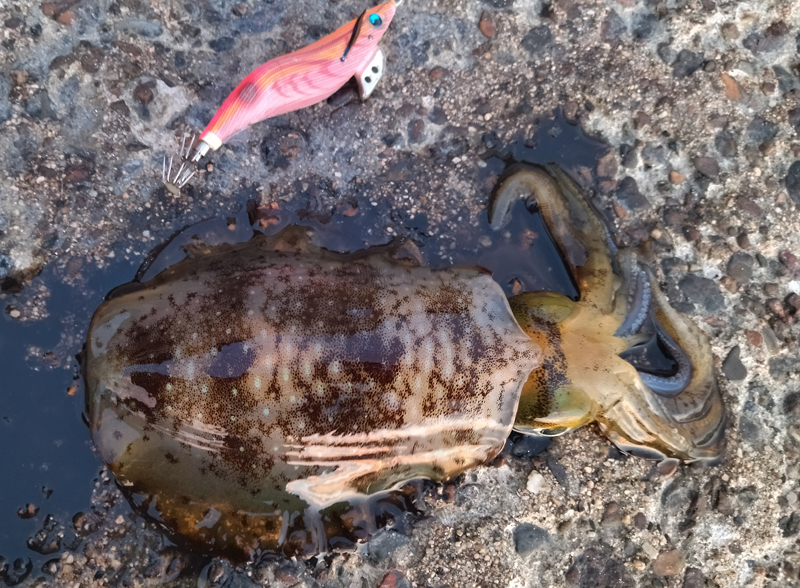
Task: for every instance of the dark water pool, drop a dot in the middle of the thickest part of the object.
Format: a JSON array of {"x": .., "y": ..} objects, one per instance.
[{"x": 47, "y": 460}]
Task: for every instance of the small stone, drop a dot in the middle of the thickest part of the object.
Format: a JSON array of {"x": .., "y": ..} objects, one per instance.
[
  {"x": 597, "y": 567},
  {"x": 794, "y": 119},
  {"x": 5, "y": 104},
  {"x": 703, "y": 292},
  {"x": 733, "y": 91},
  {"x": 222, "y": 44},
  {"x": 613, "y": 27},
  {"x": 486, "y": 25},
  {"x": 792, "y": 181},
  {"x": 537, "y": 39},
  {"x": 668, "y": 563},
  {"x": 394, "y": 579},
  {"x": 676, "y": 177},
  {"x": 730, "y": 31},
  {"x": 19, "y": 77},
  {"x": 732, "y": 365},
  {"x": 437, "y": 73},
  {"x": 121, "y": 108},
  {"x": 144, "y": 92},
  {"x": 66, "y": 17},
  {"x": 791, "y": 405},
  {"x": 384, "y": 544},
  {"x": 793, "y": 300},
  {"x": 687, "y": 63},
  {"x": 754, "y": 338},
  {"x": 640, "y": 521},
  {"x": 537, "y": 484},
  {"x": 15, "y": 313},
  {"x": 644, "y": 25},
  {"x": 39, "y": 106},
  {"x": 608, "y": 165},
  {"x": 240, "y": 9},
  {"x": 438, "y": 116},
  {"x": 707, "y": 166},
  {"x": 641, "y": 120},
  {"x": 775, "y": 306},
  {"x": 749, "y": 206},
  {"x": 90, "y": 56},
  {"x": 761, "y": 130},
  {"x": 612, "y": 515},
  {"x": 729, "y": 284},
  {"x": 771, "y": 39},
  {"x": 740, "y": 267},
  {"x": 743, "y": 241},
  {"x": 789, "y": 260},
  {"x": 790, "y": 525},
  {"x": 559, "y": 471},
  {"x": 693, "y": 579},
  {"x": 55, "y": 10},
  {"x": 143, "y": 28},
  {"x": 726, "y": 144},
  {"x": 529, "y": 538},
  {"x": 416, "y": 130},
  {"x": 629, "y": 196},
  {"x": 77, "y": 174}
]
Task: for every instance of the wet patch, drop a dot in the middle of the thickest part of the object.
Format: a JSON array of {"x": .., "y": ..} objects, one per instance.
[{"x": 55, "y": 466}]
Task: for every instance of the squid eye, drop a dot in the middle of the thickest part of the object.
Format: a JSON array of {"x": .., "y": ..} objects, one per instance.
[{"x": 375, "y": 20}]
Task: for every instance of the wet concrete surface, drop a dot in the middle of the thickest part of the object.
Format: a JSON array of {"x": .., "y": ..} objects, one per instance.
[{"x": 698, "y": 104}]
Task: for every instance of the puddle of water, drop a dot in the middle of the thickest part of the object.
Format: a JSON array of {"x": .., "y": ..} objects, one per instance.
[{"x": 47, "y": 459}]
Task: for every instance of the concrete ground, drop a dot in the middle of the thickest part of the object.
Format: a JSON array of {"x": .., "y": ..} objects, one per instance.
[{"x": 698, "y": 102}]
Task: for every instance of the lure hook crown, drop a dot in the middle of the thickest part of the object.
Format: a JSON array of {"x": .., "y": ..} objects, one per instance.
[{"x": 186, "y": 171}]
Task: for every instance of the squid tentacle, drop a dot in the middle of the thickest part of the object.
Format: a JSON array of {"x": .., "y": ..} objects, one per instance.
[
  {"x": 639, "y": 302},
  {"x": 671, "y": 386}
]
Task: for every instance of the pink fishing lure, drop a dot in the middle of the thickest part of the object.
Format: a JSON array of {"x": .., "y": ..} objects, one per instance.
[{"x": 304, "y": 77}]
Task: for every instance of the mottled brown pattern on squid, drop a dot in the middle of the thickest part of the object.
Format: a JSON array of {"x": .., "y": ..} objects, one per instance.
[{"x": 270, "y": 375}]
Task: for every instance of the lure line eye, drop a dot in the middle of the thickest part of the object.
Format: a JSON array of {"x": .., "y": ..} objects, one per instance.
[{"x": 375, "y": 20}]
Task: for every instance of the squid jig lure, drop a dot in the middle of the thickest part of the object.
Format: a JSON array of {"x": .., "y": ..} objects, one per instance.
[{"x": 291, "y": 82}]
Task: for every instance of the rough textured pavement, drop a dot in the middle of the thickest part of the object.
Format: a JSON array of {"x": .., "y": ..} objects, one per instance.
[{"x": 699, "y": 102}]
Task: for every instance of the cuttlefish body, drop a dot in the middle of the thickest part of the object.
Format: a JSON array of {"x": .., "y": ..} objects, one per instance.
[
  {"x": 246, "y": 393},
  {"x": 253, "y": 384}
]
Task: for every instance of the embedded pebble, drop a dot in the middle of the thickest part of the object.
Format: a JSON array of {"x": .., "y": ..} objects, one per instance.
[
  {"x": 740, "y": 267},
  {"x": 668, "y": 563},
  {"x": 529, "y": 538},
  {"x": 732, "y": 366},
  {"x": 687, "y": 63},
  {"x": 703, "y": 292},
  {"x": 708, "y": 166},
  {"x": 537, "y": 484}
]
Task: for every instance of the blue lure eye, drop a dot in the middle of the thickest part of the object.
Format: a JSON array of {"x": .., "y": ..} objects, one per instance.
[{"x": 375, "y": 20}]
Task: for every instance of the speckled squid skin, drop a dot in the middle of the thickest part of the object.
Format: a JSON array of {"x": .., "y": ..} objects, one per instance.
[{"x": 252, "y": 383}]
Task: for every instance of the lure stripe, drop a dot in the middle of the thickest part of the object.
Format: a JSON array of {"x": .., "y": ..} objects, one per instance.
[{"x": 302, "y": 78}]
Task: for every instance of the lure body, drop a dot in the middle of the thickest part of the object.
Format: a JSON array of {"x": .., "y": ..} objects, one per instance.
[{"x": 304, "y": 77}]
